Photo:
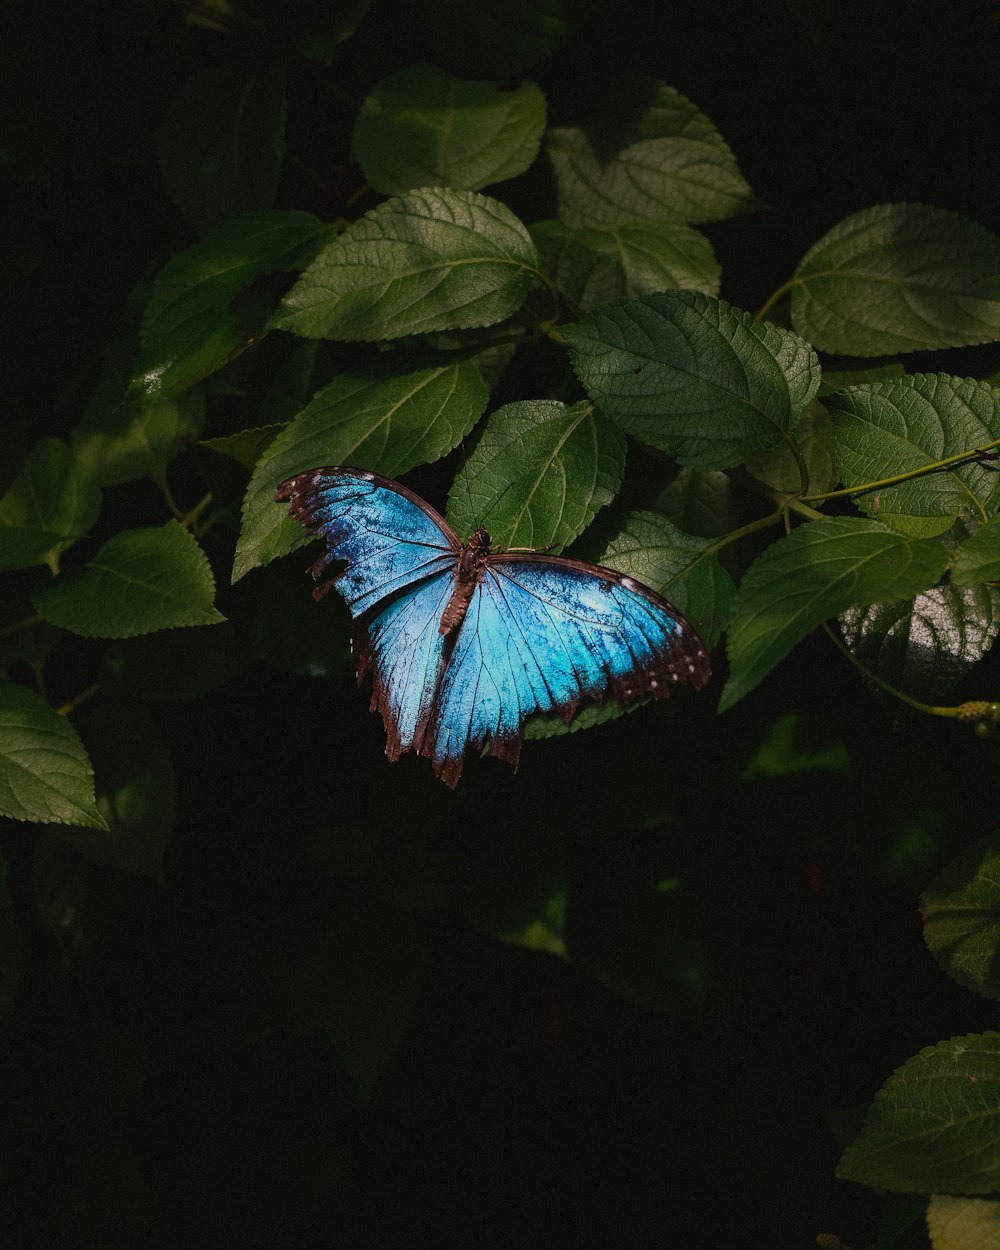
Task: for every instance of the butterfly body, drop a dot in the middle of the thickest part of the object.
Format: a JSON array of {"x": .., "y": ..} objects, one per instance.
[{"x": 464, "y": 643}]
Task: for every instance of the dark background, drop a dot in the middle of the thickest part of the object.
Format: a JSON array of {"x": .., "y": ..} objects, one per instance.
[{"x": 527, "y": 1104}]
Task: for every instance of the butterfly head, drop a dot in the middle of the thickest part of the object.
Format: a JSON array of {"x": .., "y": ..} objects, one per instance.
[{"x": 480, "y": 540}]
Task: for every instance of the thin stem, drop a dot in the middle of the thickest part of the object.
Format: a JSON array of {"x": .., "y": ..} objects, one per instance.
[
  {"x": 760, "y": 524},
  {"x": 67, "y": 709},
  {"x": 773, "y": 298},
  {"x": 935, "y": 467},
  {"x": 17, "y": 626},
  {"x": 189, "y": 518}
]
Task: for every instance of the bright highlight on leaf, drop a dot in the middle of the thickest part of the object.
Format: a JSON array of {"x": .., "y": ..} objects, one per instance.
[
  {"x": 694, "y": 376},
  {"x": 963, "y": 1223},
  {"x": 388, "y": 417},
  {"x": 539, "y": 474},
  {"x": 423, "y": 127},
  {"x": 140, "y": 581},
  {"x": 899, "y": 278},
  {"x": 431, "y": 260},
  {"x": 45, "y": 774},
  {"x": 813, "y": 574},
  {"x": 666, "y": 162},
  {"x": 934, "y": 1125}
]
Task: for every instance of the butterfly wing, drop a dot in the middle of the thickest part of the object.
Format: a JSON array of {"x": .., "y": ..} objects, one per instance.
[
  {"x": 541, "y": 634},
  {"x": 401, "y": 559}
]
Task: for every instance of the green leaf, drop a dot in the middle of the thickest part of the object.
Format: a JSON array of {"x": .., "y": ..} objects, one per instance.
[
  {"x": 387, "y": 416},
  {"x": 593, "y": 267},
  {"x": 45, "y": 774},
  {"x": 655, "y": 552},
  {"x": 539, "y": 474},
  {"x": 963, "y": 1223},
  {"x": 934, "y": 1124},
  {"x": 899, "y": 278},
  {"x": 140, "y": 581},
  {"x": 203, "y": 307},
  {"x": 926, "y": 645},
  {"x": 978, "y": 558},
  {"x": 814, "y": 439},
  {"x": 798, "y": 742},
  {"x": 651, "y": 155},
  {"x": 422, "y": 127},
  {"x": 222, "y": 142},
  {"x": 887, "y": 428},
  {"x": 703, "y": 503},
  {"x": 816, "y": 572},
  {"x": 961, "y": 911},
  {"x": 693, "y": 376},
  {"x": 136, "y": 792},
  {"x": 430, "y": 260},
  {"x": 52, "y": 502},
  {"x": 360, "y": 983},
  {"x": 124, "y": 436},
  {"x": 507, "y": 36}
]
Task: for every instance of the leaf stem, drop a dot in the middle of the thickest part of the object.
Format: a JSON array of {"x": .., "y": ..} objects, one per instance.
[
  {"x": 773, "y": 298},
  {"x": 934, "y": 467},
  {"x": 67, "y": 709},
  {"x": 17, "y": 626}
]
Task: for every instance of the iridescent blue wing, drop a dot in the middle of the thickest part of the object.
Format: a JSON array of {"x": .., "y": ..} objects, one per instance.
[
  {"x": 541, "y": 634},
  {"x": 402, "y": 560}
]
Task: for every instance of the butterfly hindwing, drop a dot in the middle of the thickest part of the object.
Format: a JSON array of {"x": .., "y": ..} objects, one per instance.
[{"x": 541, "y": 634}]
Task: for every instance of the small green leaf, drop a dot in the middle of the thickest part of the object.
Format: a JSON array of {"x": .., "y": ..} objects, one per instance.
[
  {"x": 655, "y": 552},
  {"x": 359, "y": 985},
  {"x": 507, "y": 36},
  {"x": 815, "y": 442},
  {"x": 222, "y": 142},
  {"x": 422, "y": 127},
  {"x": 245, "y": 447},
  {"x": 593, "y": 267},
  {"x": 52, "y": 502},
  {"x": 816, "y": 572},
  {"x": 934, "y": 1124},
  {"x": 925, "y": 645},
  {"x": 431, "y": 260},
  {"x": 898, "y": 426},
  {"x": 388, "y": 417},
  {"x": 654, "y": 158},
  {"x": 136, "y": 792},
  {"x": 45, "y": 774},
  {"x": 963, "y": 1223},
  {"x": 899, "y": 278},
  {"x": 203, "y": 308},
  {"x": 123, "y": 436},
  {"x": 539, "y": 474},
  {"x": 693, "y": 376},
  {"x": 978, "y": 558},
  {"x": 140, "y": 581},
  {"x": 961, "y": 911}
]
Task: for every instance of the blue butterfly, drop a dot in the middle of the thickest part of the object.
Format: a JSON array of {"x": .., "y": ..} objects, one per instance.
[{"x": 463, "y": 643}]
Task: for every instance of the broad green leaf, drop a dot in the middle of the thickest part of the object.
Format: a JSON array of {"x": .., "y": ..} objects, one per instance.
[
  {"x": 431, "y": 260},
  {"x": 899, "y": 278},
  {"x": 925, "y": 645},
  {"x": 505, "y": 36},
  {"x": 360, "y": 982},
  {"x": 45, "y": 774},
  {"x": 53, "y": 501},
  {"x": 140, "y": 581},
  {"x": 124, "y": 436},
  {"x": 593, "y": 267},
  {"x": 961, "y": 911},
  {"x": 203, "y": 306},
  {"x": 963, "y": 1223},
  {"x": 840, "y": 379},
  {"x": 693, "y": 376},
  {"x": 539, "y": 474},
  {"x": 76, "y": 899},
  {"x": 899, "y": 426},
  {"x": 815, "y": 442},
  {"x": 978, "y": 558},
  {"x": 136, "y": 791},
  {"x": 655, "y": 552},
  {"x": 702, "y": 503},
  {"x": 388, "y": 417},
  {"x": 246, "y": 447},
  {"x": 422, "y": 127},
  {"x": 222, "y": 141},
  {"x": 812, "y": 574},
  {"x": 11, "y": 962},
  {"x": 934, "y": 1124},
  {"x": 660, "y": 159}
]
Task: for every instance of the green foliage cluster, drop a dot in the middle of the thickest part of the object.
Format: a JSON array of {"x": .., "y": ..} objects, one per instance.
[{"x": 536, "y": 308}]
